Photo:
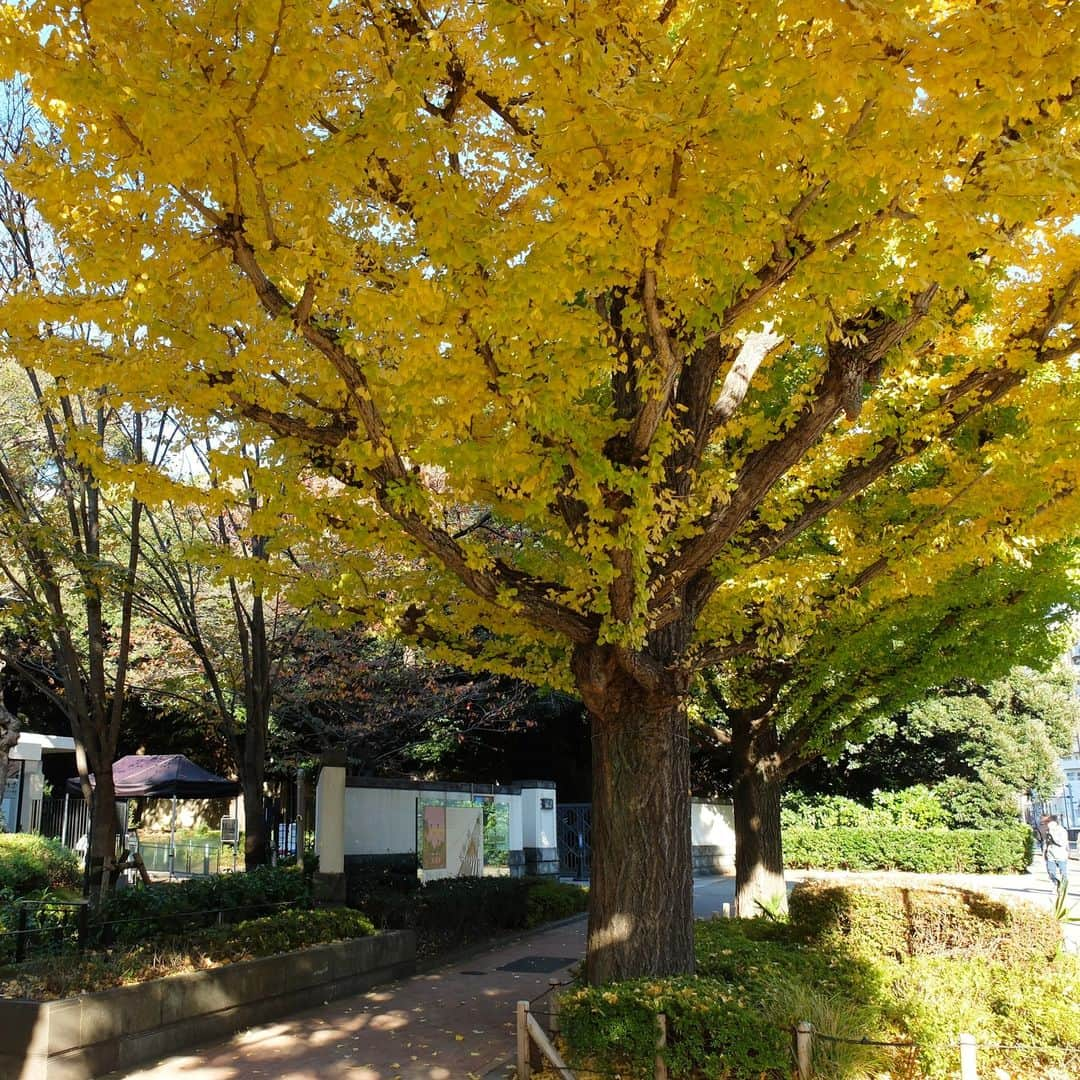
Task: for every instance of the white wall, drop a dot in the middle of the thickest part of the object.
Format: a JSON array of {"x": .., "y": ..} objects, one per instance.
[
  {"x": 713, "y": 824},
  {"x": 381, "y": 821},
  {"x": 514, "y": 802}
]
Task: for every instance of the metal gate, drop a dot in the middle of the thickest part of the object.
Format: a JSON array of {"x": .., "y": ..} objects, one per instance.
[{"x": 575, "y": 839}]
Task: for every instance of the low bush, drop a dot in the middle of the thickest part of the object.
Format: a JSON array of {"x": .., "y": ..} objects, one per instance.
[
  {"x": 1005, "y": 1006},
  {"x": 756, "y": 979},
  {"x": 30, "y": 864},
  {"x": 734, "y": 1018},
  {"x": 87, "y": 973},
  {"x": 549, "y": 901},
  {"x": 285, "y": 931},
  {"x": 173, "y": 907},
  {"x": 1006, "y": 849},
  {"x": 899, "y": 922},
  {"x": 454, "y": 911}
]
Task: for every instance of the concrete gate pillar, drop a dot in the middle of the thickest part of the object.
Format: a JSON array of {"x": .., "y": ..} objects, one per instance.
[{"x": 330, "y": 829}]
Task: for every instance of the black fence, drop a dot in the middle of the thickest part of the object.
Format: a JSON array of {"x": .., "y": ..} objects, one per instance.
[{"x": 50, "y": 928}]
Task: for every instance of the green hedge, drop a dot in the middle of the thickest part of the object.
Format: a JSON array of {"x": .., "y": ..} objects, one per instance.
[
  {"x": 894, "y": 921},
  {"x": 1007, "y": 849},
  {"x": 285, "y": 931},
  {"x": 733, "y": 1019},
  {"x": 30, "y": 864},
  {"x": 756, "y": 979},
  {"x": 132, "y": 915},
  {"x": 267, "y": 936},
  {"x": 453, "y": 911}
]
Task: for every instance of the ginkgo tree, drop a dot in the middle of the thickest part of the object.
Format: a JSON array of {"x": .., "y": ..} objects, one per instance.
[{"x": 660, "y": 287}]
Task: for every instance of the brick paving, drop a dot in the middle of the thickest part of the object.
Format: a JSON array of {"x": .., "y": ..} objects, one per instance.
[{"x": 453, "y": 1023}]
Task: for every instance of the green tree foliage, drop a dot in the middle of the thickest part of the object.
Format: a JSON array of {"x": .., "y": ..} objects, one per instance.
[{"x": 977, "y": 744}]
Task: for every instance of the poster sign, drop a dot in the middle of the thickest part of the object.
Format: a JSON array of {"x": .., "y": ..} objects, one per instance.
[
  {"x": 9, "y": 796},
  {"x": 230, "y": 830},
  {"x": 434, "y": 853}
]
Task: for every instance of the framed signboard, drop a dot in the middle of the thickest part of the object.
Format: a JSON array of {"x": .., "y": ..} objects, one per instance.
[{"x": 230, "y": 831}]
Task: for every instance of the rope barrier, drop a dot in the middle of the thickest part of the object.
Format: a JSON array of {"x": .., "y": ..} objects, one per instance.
[
  {"x": 1066, "y": 1048},
  {"x": 858, "y": 1042}
]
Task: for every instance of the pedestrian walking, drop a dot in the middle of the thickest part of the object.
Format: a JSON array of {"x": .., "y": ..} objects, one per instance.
[{"x": 1055, "y": 847}]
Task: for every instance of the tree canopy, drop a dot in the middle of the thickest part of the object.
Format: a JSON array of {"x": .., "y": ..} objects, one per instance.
[{"x": 623, "y": 331}]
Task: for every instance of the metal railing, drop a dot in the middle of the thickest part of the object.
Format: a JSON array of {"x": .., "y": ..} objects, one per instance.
[{"x": 46, "y": 928}]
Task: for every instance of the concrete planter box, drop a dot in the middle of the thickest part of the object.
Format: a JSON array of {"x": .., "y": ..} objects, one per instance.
[{"x": 82, "y": 1037}]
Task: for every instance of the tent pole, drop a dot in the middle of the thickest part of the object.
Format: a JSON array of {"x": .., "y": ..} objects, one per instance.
[{"x": 172, "y": 840}]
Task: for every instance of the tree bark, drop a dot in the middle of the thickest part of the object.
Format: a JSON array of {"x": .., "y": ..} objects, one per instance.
[
  {"x": 103, "y": 828},
  {"x": 9, "y": 737},
  {"x": 256, "y": 845},
  {"x": 759, "y": 856},
  {"x": 641, "y": 887}
]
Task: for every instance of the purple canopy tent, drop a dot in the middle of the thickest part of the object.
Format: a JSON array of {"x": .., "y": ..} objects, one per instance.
[{"x": 164, "y": 776}]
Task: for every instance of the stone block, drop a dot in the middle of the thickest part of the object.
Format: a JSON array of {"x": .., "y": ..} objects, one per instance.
[
  {"x": 65, "y": 1025},
  {"x": 307, "y": 967}
]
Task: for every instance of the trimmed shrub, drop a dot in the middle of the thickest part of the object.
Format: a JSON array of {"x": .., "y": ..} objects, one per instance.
[
  {"x": 285, "y": 931},
  {"x": 733, "y": 1019},
  {"x": 755, "y": 979},
  {"x": 453, "y": 911},
  {"x": 90, "y": 972},
  {"x": 898, "y": 922},
  {"x": 179, "y": 906},
  {"x": 549, "y": 901},
  {"x": 928, "y": 851},
  {"x": 29, "y": 864}
]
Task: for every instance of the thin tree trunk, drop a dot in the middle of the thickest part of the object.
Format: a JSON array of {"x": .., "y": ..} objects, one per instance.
[
  {"x": 103, "y": 831},
  {"x": 759, "y": 856},
  {"x": 9, "y": 738},
  {"x": 641, "y": 887},
  {"x": 257, "y": 695},
  {"x": 256, "y": 846}
]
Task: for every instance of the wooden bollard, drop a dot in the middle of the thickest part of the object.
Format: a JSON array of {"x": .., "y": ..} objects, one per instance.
[
  {"x": 553, "y": 998},
  {"x": 660, "y": 1072},
  {"x": 524, "y": 1065},
  {"x": 804, "y": 1055}
]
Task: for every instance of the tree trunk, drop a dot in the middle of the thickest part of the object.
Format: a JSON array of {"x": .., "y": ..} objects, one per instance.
[
  {"x": 103, "y": 829},
  {"x": 641, "y": 887},
  {"x": 9, "y": 737},
  {"x": 759, "y": 856},
  {"x": 256, "y": 841}
]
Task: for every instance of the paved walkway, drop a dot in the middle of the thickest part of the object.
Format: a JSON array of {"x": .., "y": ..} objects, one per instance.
[
  {"x": 457, "y": 1022},
  {"x": 454, "y": 1023}
]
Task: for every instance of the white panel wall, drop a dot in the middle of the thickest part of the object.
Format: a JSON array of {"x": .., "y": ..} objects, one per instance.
[
  {"x": 380, "y": 821},
  {"x": 713, "y": 824},
  {"x": 514, "y": 802}
]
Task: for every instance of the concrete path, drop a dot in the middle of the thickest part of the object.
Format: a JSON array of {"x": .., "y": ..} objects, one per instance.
[
  {"x": 457, "y": 1022},
  {"x": 454, "y": 1023}
]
